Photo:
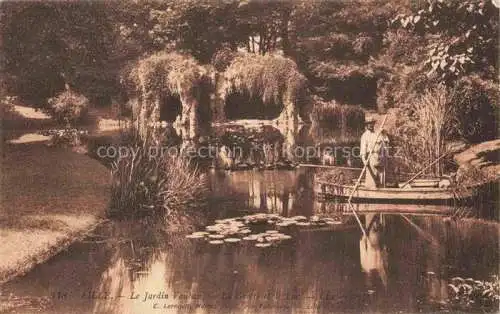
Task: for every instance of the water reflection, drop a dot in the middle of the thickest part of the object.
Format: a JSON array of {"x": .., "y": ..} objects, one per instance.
[
  {"x": 403, "y": 264},
  {"x": 270, "y": 191},
  {"x": 259, "y": 145},
  {"x": 204, "y": 279},
  {"x": 373, "y": 252}
]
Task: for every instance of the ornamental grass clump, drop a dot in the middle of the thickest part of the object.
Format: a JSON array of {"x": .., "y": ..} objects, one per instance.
[
  {"x": 424, "y": 127},
  {"x": 158, "y": 186}
]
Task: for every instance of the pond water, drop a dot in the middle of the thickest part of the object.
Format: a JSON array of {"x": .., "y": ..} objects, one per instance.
[{"x": 404, "y": 264}]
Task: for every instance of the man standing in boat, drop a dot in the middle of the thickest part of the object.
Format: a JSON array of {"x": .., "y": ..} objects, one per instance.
[{"x": 377, "y": 162}]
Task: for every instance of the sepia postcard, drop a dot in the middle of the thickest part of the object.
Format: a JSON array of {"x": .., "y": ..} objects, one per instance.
[{"x": 249, "y": 156}]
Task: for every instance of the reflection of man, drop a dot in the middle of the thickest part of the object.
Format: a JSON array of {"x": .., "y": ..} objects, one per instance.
[
  {"x": 372, "y": 252},
  {"x": 376, "y": 162}
]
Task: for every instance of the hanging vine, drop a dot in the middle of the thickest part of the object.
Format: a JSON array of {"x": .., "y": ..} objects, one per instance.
[
  {"x": 273, "y": 78},
  {"x": 166, "y": 74}
]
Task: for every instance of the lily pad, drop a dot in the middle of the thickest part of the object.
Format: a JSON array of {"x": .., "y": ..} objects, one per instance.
[
  {"x": 232, "y": 240},
  {"x": 213, "y": 228},
  {"x": 202, "y": 233},
  {"x": 216, "y": 242},
  {"x": 334, "y": 222},
  {"x": 263, "y": 245},
  {"x": 216, "y": 236},
  {"x": 283, "y": 224},
  {"x": 303, "y": 224},
  {"x": 195, "y": 236},
  {"x": 272, "y": 239},
  {"x": 314, "y": 218}
]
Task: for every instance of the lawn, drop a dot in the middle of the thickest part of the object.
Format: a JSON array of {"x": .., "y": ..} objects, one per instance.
[{"x": 50, "y": 197}]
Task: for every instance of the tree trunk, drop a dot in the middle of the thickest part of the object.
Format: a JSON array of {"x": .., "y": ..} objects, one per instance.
[{"x": 285, "y": 40}]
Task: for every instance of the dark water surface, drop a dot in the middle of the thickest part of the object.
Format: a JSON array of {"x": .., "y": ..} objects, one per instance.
[{"x": 404, "y": 265}]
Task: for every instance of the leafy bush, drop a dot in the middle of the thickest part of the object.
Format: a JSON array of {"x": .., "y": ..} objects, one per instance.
[
  {"x": 474, "y": 295},
  {"x": 476, "y": 104},
  {"x": 397, "y": 69},
  {"x": 339, "y": 176},
  {"x": 69, "y": 107},
  {"x": 222, "y": 58},
  {"x": 158, "y": 186},
  {"x": 7, "y": 104},
  {"x": 68, "y": 136}
]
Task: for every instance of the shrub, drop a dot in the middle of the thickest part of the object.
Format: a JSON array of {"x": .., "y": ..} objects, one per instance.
[
  {"x": 339, "y": 176},
  {"x": 475, "y": 102},
  {"x": 69, "y": 107},
  {"x": 474, "y": 295},
  {"x": 65, "y": 137},
  {"x": 223, "y": 58},
  {"x": 162, "y": 186},
  {"x": 332, "y": 115},
  {"x": 329, "y": 137},
  {"x": 7, "y": 104}
]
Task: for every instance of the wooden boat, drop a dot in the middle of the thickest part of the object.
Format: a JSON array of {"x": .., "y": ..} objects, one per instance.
[
  {"x": 412, "y": 194},
  {"x": 386, "y": 208}
]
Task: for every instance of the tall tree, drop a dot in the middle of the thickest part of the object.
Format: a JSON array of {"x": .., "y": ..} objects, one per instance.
[{"x": 48, "y": 45}]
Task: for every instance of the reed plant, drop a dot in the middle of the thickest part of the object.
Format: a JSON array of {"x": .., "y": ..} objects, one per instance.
[
  {"x": 154, "y": 186},
  {"x": 424, "y": 128}
]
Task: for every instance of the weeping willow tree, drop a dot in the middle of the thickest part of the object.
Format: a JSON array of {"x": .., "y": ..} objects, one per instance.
[
  {"x": 167, "y": 74},
  {"x": 273, "y": 78}
]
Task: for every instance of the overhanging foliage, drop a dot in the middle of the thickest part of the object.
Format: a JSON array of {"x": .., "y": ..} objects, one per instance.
[
  {"x": 272, "y": 77},
  {"x": 170, "y": 73}
]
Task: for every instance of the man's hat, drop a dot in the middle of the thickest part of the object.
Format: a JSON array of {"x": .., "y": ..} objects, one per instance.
[{"x": 369, "y": 120}]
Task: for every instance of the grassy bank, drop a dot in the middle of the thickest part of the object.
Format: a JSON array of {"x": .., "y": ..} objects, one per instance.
[
  {"x": 42, "y": 238},
  {"x": 50, "y": 197},
  {"x": 483, "y": 159}
]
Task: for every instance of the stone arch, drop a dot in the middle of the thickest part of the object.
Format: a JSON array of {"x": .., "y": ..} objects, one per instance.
[
  {"x": 272, "y": 78},
  {"x": 168, "y": 75}
]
